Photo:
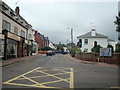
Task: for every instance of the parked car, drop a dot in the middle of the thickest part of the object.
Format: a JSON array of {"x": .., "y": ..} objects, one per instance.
[{"x": 50, "y": 52}]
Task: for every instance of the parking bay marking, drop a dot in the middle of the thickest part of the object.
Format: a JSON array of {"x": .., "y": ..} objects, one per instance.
[{"x": 40, "y": 85}]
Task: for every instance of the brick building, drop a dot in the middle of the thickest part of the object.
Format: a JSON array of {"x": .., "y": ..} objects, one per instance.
[{"x": 41, "y": 40}]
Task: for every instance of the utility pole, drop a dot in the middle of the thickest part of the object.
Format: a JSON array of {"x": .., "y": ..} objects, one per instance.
[{"x": 71, "y": 35}]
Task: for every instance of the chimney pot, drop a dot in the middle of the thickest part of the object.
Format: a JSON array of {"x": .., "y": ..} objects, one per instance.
[{"x": 17, "y": 11}]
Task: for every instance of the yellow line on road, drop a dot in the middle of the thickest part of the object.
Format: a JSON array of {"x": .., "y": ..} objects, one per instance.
[
  {"x": 43, "y": 76},
  {"x": 28, "y": 85},
  {"x": 34, "y": 81},
  {"x": 71, "y": 78},
  {"x": 55, "y": 81},
  {"x": 20, "y": 76},
  {"x": 52, "y": 75},
  {"x": 114, "y": 87}
]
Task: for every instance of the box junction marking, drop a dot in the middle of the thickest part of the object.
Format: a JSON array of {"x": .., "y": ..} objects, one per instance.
[{"x": 53, "y": 72}]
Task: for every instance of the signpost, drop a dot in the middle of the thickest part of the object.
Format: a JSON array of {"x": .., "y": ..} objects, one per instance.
[{"x": 105, "y": 52}]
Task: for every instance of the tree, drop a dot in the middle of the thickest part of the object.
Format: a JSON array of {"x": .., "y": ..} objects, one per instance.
[
  {"x": 117, "y": 22},
  {"x": 117, "y": 48},
  {"x": 96, "y": 49},
  {"x": 110, "y": 46}
]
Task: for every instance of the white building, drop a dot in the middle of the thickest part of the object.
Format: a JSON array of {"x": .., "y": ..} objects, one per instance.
[
  {"x": 88, "y": 39},
  {"x": 51, "y": 45}
]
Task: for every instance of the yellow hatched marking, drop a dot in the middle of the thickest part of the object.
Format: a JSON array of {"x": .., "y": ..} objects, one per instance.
[
  {"x": 40, "y": 85},
  {"x": 55, "y": 81},
  {"x": 21, "y": 75},
  {"x": 29, "y": 85},
  {"x": 71, "y": 78},
  {"x": 43, "y": 76},
  {"x": 34, "y": 81},
  {"x": 114, "y": 87},
  {"x": 52, "y": 75}
]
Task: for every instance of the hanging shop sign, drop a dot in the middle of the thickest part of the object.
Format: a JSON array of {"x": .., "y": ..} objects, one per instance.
[
  {"x": 13, "y": 36},
  {"x": 28, "y": 42}
]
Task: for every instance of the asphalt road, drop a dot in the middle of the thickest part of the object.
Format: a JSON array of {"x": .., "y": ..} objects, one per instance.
[{"x": 59, "y": 71}]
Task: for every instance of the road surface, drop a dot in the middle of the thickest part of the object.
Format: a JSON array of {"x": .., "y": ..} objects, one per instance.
[{"x": 59, "y": 71}]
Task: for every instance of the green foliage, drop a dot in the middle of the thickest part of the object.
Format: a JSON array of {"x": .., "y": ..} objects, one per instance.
[
  {"x": 85, "y": 50},
  {"x": 117, "y": 48},
  {"x": 96, "y": 49},
  {"x": 117, "y": 22},
  {"x": 45, "y": 49},
  {"x": 74, "y": 49},
  {"x": 110, "y": 46}
]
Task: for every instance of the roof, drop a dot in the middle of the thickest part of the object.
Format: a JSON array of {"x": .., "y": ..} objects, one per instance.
[
  {"x": 110, "y": 40},
  {"x": 88, "y": 35}
]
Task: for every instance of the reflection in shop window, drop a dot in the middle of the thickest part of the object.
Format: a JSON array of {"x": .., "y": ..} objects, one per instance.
[{"x": 11, "y": 49}]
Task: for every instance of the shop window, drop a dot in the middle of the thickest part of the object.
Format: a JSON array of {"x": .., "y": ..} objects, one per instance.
[
  {"x": 86, "y": 41},
  {"x": 30, "y": 37},
  {"x": 22, "y": 33},
  {"x": 15, "y": 30},
  {"x": 6, "y": 25}
]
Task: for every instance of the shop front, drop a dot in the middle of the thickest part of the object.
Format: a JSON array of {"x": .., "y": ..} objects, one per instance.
[
  {"x": 35, "y": 48},
  {"x": 1, "y": 46},
  {"x": 28, "y": 48},
  {"x": 12, "y": 45}
]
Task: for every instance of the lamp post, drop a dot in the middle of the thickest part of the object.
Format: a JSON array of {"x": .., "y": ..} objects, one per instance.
[{"x": 71, "y": 35}]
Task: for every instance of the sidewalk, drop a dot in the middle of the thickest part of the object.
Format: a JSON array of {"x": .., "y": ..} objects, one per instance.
[{"x": 15, "y": 60}]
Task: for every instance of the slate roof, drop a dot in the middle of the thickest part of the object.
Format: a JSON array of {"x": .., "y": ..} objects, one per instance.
[
  {"x": 88, "y": 35},
  {"x": 110, "y": 40}
]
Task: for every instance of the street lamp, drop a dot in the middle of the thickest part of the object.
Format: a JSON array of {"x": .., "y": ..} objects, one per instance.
[{"x": 71, "y": 35}]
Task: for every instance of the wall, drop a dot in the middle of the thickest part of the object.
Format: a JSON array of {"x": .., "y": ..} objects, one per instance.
[{"x": 114, "y": 59}]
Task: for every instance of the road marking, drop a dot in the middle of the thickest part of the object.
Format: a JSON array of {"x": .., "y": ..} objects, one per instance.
[
  {"x": 69, "y": 79},
  {"x": 66, "y": 58},
  {"x": 52, "y": 75},
  {"x": 114, "y": 87}
]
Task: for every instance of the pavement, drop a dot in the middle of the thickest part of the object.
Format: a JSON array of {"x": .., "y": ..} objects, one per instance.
[{"x": 15, "y": 60}]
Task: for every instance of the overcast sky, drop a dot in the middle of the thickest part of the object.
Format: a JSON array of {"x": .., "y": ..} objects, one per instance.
[{"x": 53, "y": 18}]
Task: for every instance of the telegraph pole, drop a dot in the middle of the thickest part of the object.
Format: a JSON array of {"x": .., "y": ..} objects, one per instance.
[{"x": 71, "y": 35}]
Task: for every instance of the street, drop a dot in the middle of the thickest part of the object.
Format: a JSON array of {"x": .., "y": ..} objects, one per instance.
[{"x": 59, "y": 71}]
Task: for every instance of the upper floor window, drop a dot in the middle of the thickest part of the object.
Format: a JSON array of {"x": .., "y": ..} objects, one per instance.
[
  {"x": 6, "y": 25},
  {"x": 15, "y": 30},
  {"x": 86, "y": 41},
  {"x": 30, "y": 36},
  {"x": 22, "y": 33}
]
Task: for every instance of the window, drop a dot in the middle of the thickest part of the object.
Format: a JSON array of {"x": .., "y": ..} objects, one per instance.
[
  {"x": 22, "y": 33},
  {"x": 6, "y": 25},
  {"x": 15, "y": 30},
  {"x": 30, "y": 36},
  {"x": 86, "y": 41}
]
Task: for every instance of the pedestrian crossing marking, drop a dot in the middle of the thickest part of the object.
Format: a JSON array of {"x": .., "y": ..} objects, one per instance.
[{"x": 46, "y": 72}]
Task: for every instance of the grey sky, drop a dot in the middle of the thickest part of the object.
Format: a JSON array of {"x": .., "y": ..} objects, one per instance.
[{"x": 53, "y": 18}]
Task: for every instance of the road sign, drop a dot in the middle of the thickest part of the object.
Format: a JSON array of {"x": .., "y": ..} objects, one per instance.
[{"x": 105, "y": 52}]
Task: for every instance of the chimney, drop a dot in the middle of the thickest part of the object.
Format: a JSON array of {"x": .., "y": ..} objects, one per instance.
[
  {"x": 17, "y": 11},
  {"x": 93, "y": 32}
]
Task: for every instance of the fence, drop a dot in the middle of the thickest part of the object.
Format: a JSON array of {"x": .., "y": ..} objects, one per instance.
[{"x": 114, "y": 59}]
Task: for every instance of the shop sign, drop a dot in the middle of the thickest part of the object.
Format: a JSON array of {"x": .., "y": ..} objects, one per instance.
[
  {"x": 26, "y": 41},
  {"x": 13, "y": 36}
]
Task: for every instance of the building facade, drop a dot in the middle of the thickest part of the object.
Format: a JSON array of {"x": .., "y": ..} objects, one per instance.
[
  {"x": 41, "y": 40},
  {"x": 17, "y": 33},
  {"x": 87, "y": 40}
]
